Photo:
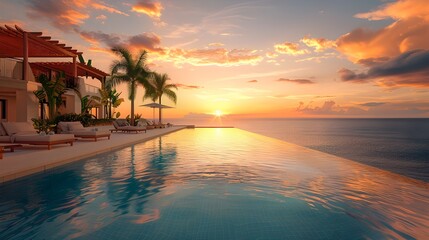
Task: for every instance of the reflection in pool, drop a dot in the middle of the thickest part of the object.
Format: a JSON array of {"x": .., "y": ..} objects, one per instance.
[{"x": 214, "y": 184}]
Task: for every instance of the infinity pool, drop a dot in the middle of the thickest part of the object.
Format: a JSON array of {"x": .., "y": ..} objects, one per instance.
[{"x": 214, "y": 184}]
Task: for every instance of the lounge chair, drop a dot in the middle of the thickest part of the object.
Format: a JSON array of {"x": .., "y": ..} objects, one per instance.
[
  {"x": 77, "y": 129},
  {"x": 10, "y": 146},
  {"x": 145, "y": 124},
  {"x": 122, "y": 125},
  {"x": 4, "y": 138},
  {"x": 153, "y": 125},
  {"x": 24, "y": 133}
]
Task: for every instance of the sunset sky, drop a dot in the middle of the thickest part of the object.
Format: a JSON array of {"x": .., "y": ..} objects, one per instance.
[{"x": 272, "y": 58}]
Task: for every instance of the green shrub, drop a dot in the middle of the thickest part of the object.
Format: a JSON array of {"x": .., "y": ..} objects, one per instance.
[
  {"x": 43, "y": 125},
  {"x": 85, "y": 118},
  {"x": 102, "y": 122}
]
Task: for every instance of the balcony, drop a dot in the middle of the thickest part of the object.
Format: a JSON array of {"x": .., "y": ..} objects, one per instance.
[
  {"x": 10, "y": 68},
  {"x": 91, "y": 90}
]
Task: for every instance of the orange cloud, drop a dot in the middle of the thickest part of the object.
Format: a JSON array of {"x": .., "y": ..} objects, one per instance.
[
  {"x": 107, "y": 8},
  {"x": 216, "y": 44},
  {"x": 66, "y": 15},
  {"x": 212, "y": 57},
  {"x": 271, "y": 55},
  {"x": 401, "y": 9},
  {"x": 408, "y": 32},
  {"x": 188, "y": 86},
  {"x": 290, "y": 49},
  {"x": 101, "y": 50},
  {"x": 320, "y": 44},
  {"x": 152, "y": 9},
  {"x": 145, "y": 41}
]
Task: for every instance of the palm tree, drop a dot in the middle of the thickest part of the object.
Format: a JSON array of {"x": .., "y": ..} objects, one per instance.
[
  {"x": 52, "y": 92},
  {"x": 131, "y": 71},
  {"x": 109, "y": 98},
  {"x": 158, "y": 86}
]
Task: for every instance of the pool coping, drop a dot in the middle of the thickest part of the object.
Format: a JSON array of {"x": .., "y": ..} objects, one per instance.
[{"x": 35, "y": 159}]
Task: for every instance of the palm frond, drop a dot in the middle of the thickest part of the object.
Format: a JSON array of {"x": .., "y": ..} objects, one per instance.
[{"x": 171, "y": 95}]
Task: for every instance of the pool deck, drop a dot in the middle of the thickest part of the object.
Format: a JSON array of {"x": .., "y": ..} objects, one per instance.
[{"x": 31, "y": 159}]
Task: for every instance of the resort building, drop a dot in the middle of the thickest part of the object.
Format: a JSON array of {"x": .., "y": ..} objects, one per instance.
[{"x": 20, "y": 65}]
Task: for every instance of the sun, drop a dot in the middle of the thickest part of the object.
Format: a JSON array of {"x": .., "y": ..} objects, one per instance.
[{"x": 218, "y": 113}]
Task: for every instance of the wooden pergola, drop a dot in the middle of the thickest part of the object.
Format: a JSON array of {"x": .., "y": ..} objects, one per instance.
[
  {"x": 68, "y": 68},
  {"x": 17, "y": 43}
]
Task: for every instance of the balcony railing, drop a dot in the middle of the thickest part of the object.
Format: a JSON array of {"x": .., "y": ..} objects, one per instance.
[
  {"x": 10, "y": 68},
  {"x": 91, "y": 90}
]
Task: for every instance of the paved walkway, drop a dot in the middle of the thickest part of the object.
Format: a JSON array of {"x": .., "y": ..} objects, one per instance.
[{"x": 32, "y": 159}]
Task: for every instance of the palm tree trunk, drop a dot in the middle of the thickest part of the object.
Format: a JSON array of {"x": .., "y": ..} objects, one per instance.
[
  {"x": 132, "y": 112},
  {"x": 51, "y": 108},
  {"x": 132, "y": 96},
  {"x": 160, "y": 109}
]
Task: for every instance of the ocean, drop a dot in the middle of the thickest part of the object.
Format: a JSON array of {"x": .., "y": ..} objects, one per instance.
[{"x": 396, "y": 145}]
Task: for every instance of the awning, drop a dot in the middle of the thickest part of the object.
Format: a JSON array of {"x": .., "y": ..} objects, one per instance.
[{"x": 12, "y": 44}]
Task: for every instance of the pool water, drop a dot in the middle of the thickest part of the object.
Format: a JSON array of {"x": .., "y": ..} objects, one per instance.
[{"x": 214, "y": 184}]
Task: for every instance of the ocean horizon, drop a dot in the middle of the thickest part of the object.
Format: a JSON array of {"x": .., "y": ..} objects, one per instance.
[{"x": 399, "y": 145}]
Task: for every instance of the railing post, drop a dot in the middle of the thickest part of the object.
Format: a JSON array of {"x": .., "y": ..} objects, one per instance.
[{"x": 25, "y": 55}]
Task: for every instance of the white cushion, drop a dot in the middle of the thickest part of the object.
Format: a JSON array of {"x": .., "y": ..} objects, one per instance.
[
  {"x": 5, "y": 139},
  {"x": 63, "y": 127},
  {"x": 44, "y": 138},
  {"x": 75, "y": 126},
  {"x": 16, "y": 127}
]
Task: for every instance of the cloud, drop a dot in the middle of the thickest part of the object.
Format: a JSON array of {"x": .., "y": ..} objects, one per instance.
[
  {"x": 279, "y": 96},
  {"x": 59, "y": 13},
  {"x": 401, "y": 9},
  {"x": 212, "y": 57},
  {"x": 152, "y": 9},
  {"x": 147, "y": 41},
  {"x": 252, "y": 81},
  {"x": 347, "y": 75},
  {"x": 327, "y": 96},
  {"x": 66, "y": 15},
  {"x": 408, "y": 69},
  {"x": 375, "y": 109},
  {"x": 372, "y": 104},
  {"x": 100, "y": 6},
  {"x": 97, "y": 37},
  {"x": 216, "y": 44},
  {"x": 320, "y": 44},
  {"x": 297, "y": 81},
  {"x": 317, "y": 59},
  {"x": 271, "y": 55},
  {"x": 179, "y": 85},
  {"x": 369, "y": 62},
  {"x": 408, "y": 32},
  {"x": 101, "y": 17},
  {"x": 196, "y": 57},
  {"x": 289, "y": 49},
  {"x": 329, "y": 108}
]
